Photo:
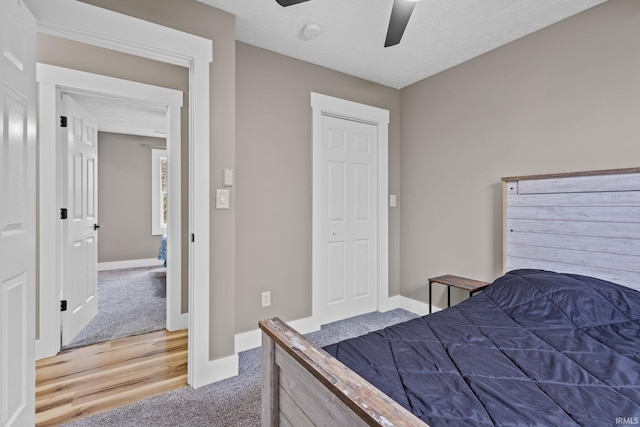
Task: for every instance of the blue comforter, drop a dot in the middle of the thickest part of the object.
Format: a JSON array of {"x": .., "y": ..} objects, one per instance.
[{"x": 535, "y": 348}]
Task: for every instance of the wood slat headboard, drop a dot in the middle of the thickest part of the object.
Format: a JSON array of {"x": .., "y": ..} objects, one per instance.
[{"x": 581, "y": 223}]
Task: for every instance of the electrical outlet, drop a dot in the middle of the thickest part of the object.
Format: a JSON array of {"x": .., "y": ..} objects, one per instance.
[{"x": 266, "y": 299}]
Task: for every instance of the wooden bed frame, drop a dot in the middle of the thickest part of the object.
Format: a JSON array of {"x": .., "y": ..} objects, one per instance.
[{"x": 302, "y": 385}]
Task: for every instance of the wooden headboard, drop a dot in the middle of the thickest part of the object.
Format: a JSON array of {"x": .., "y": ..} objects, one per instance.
[{"x": 583, "y": 223}]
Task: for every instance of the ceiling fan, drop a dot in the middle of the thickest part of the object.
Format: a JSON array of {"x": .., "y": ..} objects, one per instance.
[{"x": 400, "y": 14}]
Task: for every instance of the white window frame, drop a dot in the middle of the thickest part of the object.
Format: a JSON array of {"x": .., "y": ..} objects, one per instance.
[{"x": 157, "y": 227}]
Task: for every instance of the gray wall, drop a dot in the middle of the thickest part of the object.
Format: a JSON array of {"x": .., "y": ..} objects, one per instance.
[
  {"x": 274, "y": 178},
  {"x": 124, "y": 197},
  {"x": 566, "y": 98}
]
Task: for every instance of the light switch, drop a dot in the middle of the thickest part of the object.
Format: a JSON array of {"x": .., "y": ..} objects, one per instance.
[
  {"x": 222, "y": 198},
  {"x": 227, "y": 177},
  {"x": 392, "y": 200}
]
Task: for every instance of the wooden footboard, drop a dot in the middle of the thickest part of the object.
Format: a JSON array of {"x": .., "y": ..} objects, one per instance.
[{"x": 302, "y": 385}]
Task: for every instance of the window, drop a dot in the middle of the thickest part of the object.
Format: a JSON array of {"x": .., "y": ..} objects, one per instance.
[{"x": 159, "y": 169}]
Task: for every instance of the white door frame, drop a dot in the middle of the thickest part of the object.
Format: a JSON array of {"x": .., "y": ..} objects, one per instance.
[
  {"x": 89, "y": 24},
  {"x": 52, "y": 82},
  {"x": 336, "y": 107}
]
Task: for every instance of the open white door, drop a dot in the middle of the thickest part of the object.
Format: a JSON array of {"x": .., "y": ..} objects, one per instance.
[
  {"x": 17, "y": 214},
  {"x": 79, "y": 230}
]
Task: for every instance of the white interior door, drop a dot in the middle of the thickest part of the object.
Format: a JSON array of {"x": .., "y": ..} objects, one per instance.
[
  {"x": 17, "y": 214},
  {"x": 349, "y": 189},
  {"x": 80, "y": 198}
]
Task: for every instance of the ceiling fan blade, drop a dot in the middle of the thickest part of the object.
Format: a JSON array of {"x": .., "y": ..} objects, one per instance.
[
  {"x": 285, "y": 3},
  {"x": 400, "y": 14}
]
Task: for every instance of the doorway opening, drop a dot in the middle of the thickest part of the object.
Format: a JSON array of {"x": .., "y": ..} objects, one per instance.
[
  {"x": 100, "y": 27},
  {"x": 55, "y": 81},
  {"x": 131, "y": 279}
]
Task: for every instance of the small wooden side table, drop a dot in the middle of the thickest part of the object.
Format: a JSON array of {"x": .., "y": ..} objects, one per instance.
[{"x": 449, "y": 280}]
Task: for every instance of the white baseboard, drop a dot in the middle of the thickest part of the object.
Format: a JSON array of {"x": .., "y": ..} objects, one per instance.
[
  {"x": 391, "y": 303},
  {"x": 133, "y": 263},
  {"x": 418, "y": 307},
  {"x": 228, "y": 367},
  {"x": 182, "y": 322},
  {"x": 218, "y": 370},
  {"x": 252, "y": 339},
  {"x": 306, "y": 325},
  {"x": 247, "y": 340}
]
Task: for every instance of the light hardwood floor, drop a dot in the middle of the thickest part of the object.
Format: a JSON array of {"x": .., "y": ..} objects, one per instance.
[{"x": 85, "y": 381}]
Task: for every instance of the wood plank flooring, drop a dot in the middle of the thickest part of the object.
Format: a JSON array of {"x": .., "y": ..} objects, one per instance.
[{"x": 85, "y": 381}]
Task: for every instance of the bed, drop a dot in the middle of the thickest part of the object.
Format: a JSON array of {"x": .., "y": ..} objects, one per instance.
[
  {"x": 162, "y": 250},
  {"x": 535, "y": 348}
]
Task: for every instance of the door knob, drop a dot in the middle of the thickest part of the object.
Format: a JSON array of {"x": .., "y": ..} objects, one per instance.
[{"x": 96, "y": 226}]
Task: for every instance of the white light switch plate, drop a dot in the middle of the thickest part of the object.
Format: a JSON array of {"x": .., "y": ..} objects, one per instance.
[
  {"x": 227, "y": 177},
  {"x": 222, "y": 198},
  {"x": 392, "y": 200}
]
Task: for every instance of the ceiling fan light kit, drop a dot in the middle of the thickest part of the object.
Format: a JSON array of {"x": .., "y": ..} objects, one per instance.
[{"x": 400, "y": 14}]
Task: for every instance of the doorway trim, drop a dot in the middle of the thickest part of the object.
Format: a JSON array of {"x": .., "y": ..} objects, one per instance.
[
  {"x": 52, "y": 82},
  {"x": 104, "y": 28},
  {"x": 349, "y": 110}
]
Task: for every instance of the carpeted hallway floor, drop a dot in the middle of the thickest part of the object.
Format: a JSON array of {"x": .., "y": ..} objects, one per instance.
[
  {"x": 234, "y": 402},
  {"x": 131, "y": 301}
]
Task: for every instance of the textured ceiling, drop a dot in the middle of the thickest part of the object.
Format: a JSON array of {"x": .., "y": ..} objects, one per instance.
[
  {"x": 440, "y": 33},
  {"x": 127, "y": 117}
]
